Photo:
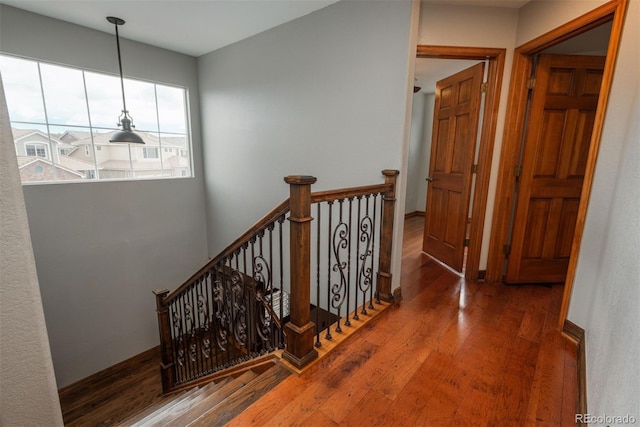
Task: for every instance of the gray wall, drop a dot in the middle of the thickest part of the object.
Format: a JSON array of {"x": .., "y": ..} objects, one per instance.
[
  {"x": 419, "y": 151},
  {"x": 606, "y": 289},
  {"x": 323, "y": 95},
  {"x": 100, "y": 248},
  {"x": 24, "y": 345}
]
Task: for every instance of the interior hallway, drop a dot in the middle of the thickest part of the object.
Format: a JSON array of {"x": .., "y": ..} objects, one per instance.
[{"x": 451, "y": 353}]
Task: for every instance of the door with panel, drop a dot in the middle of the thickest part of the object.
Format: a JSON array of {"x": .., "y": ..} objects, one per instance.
[
  {"x": 455, "y": 127},
  {"x": 556, "y": 146}
]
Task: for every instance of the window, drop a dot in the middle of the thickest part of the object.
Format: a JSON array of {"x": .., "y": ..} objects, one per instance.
[
  {"x": 76, "y": 111},
  {"x": 39, "y": 150},
  {"x": 150, "y": 152}
]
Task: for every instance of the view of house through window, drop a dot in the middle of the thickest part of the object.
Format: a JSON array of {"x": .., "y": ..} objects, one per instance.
[{"x": 62, "y": 119}]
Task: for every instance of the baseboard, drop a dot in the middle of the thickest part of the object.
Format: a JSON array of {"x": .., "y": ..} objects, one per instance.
[
  {"x": 397, "y": 294},
  {"x": 412, "y": 214},
  {"x": 576, "y": 334}
]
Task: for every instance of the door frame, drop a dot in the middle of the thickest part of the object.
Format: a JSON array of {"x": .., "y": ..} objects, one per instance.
[
  {"x": 496, "y": 59},
  {"x": 514, "y": 125}
]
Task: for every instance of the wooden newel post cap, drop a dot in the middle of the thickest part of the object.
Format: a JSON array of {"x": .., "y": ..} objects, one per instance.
[
  {"x": 300, "y": 179},
  {"x": 390, "y": 172}
]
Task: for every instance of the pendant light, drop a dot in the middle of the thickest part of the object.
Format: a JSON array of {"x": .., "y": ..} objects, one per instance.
[{"x": 126, "y": 135}]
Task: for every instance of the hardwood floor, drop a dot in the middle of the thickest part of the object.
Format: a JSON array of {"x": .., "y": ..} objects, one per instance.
[{"x": 451, "y": 353}]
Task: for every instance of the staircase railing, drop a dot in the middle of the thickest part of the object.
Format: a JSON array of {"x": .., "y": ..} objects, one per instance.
[{"x": 256, "y": 295}]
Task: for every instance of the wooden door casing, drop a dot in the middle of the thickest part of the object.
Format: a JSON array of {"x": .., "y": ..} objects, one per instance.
[
  {"x": 557, "y": 142},
  {"x": 455, "y": 127}
]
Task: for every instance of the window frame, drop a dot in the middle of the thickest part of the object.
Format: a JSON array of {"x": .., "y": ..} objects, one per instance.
[{"x": 130, "y": 174}]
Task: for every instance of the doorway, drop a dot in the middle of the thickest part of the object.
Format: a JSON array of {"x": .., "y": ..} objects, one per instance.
[
  {"x": 514, "y": 128},
  {"x": 494, "y": 63}
]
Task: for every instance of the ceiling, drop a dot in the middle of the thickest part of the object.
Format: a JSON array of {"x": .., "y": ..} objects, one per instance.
[{"x": 193, "y": 27}]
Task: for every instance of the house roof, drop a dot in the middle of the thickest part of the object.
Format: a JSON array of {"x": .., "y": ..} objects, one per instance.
[
  {"x": 24, "y": 161},
  {"x": 150, "y": 140}
]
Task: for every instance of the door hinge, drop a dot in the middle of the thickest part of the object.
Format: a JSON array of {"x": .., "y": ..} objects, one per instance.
[
  {"x": 506, "y": 249},
  {"x": 531, "y": 83},
  {"x": 483, "y": 87},
  {"x": 517, "y": 171},
  {"x": 466, "y": 243},
  {"x": 474, "y": 168}
]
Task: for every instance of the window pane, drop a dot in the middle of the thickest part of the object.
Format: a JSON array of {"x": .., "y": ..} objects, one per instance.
[
  {"x": 171, "y": 109},
  {"x": 175, "y": 155},
  {"x": 141, "y": 103},
  {"x": 105, "y": 99},
  {"x": 64, "y": 95},
  {"x": 72, "y": 147},
  {"x": 21, "y": 83},
  {"x": 75, "y": 154}
]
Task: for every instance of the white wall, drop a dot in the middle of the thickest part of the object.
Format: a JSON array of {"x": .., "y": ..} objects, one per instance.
[
  {"x": 419, "y": 151},
  {"x": 415, "y": 151},
  {"x": 455, "y": 25},
  {"x": 606, "y": 289},
  {"x": 425, "y": 154},
  {"x": 25, "y": 356},
  {"x": 100, "y": 248},
  {"x": 324, "y": 95}
]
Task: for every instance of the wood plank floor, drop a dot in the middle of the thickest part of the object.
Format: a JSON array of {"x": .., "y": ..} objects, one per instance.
[{"x": 451, "y": 353}]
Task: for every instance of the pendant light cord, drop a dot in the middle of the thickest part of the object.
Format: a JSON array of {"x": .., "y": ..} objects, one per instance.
[{"x": 124, "y": 103}]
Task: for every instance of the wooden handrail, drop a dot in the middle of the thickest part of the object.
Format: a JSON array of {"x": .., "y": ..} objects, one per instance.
[{"x": 347, "y": 193}]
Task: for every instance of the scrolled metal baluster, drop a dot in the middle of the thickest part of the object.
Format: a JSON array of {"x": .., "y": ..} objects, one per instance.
[
  {"x": 340, "y": 243},
  {"x": 239, "y": 308},
  {"x": 262, "y": 274},
  {"x": 218, "y": 296}
]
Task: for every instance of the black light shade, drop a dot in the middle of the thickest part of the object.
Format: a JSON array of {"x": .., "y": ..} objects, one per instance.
[{"x": 126, "y": 135}]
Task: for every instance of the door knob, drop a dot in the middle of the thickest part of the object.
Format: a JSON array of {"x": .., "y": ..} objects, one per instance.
[{"x": 429, "y": 179}]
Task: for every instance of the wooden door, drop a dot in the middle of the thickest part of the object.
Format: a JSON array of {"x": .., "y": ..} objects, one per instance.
[
  {"x": 557, "y": 140},
  {"x": 455, "y": 127}
]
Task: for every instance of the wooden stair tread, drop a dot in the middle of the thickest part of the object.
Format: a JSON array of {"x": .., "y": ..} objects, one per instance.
[
  {"x": 242, "y": 398},
  {"x": 210, "y": 401},
  {"x": 175, "y": 405}
]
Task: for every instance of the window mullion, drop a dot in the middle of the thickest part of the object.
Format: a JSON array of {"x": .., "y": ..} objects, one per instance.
[
  {"x": 46, "y": 119},
  {"x": 93, "y": 145}
]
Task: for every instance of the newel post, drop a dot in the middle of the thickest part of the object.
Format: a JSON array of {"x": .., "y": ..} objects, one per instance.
[
  {"x": 300, "y": 330},
  {"x": 386, "y": 238},
  {"x": 166, "y": 354}
]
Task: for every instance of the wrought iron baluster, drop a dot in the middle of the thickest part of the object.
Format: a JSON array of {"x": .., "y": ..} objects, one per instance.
[
  {"x": 281, "y": 308},
  {"x": 328, "y": 334},
  {"x": 347, "y": 322},
  {"x": 338, "y": 290},
  {"x": 375, "y": 199},
  {"x": 318, "y": 229},
  {"x": 271, "y": 343},
  {"x": 358, "y": 239}
]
